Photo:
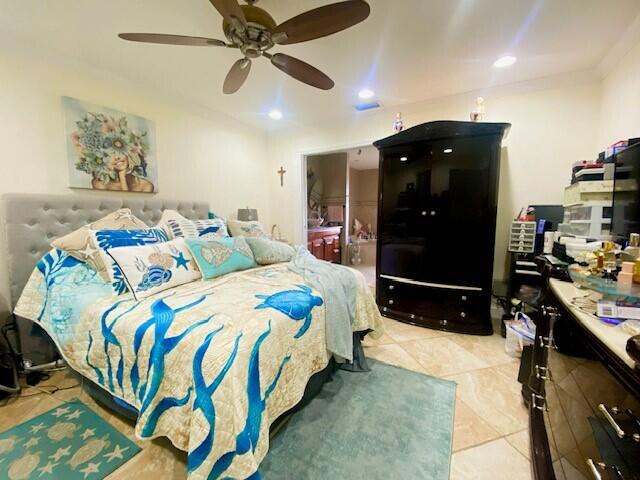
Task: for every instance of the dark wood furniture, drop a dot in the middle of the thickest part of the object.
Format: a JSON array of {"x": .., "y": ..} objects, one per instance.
[
  {"x": 324, "y": 243},
  {"x": 578, "y": 391},
  {"x": 438, "y": 189}
]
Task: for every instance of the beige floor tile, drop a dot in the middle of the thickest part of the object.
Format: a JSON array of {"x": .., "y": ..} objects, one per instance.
[
  {"x": 441, "y": 356},
  {"x": 520, "y": 441},
  {"x": 490, "y": 348},
  {"x": 383, "y": 340},
  {"x": 404, "y": 332},
  {"x": 469, "y": 429},
  {"x": 395, "y": 355},
  {"x": 494, "y": 394},
  {"x": 496, "y": 460}
]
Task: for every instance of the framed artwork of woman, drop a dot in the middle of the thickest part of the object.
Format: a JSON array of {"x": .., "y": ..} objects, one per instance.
[{"x": 108, "y": 149}]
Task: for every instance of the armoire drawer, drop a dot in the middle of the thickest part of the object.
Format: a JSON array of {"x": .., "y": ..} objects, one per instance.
[{"x": 432, "y": 306}]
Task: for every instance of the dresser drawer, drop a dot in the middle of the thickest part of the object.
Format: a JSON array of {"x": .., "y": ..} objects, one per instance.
[{"x": 437, "y": 307}]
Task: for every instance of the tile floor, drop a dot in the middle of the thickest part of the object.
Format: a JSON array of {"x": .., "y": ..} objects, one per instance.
[{"x": 490, "y": 433}]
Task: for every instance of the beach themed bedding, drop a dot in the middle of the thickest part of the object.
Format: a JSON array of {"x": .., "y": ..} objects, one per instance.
[
  {"x": 202, "y": 229},
  {"x": 267, "y": 251},
  {"x": 79, "y": 242},
  {"x": 209, "y": 364},
  {"x": 221, "y": 256},
  {"x": 103, "y": 240},
  {"x": 253, "y": 228},
  {"x": 149, "y": 269}
]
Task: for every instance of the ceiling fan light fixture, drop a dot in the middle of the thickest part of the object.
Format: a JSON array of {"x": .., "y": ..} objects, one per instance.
[
  {"x": 253, "y": 31},
  {"x": 275, "y": 114}
]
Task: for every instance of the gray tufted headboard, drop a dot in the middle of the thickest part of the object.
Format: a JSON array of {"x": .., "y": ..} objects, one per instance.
[{"x": 32, "y": 221}]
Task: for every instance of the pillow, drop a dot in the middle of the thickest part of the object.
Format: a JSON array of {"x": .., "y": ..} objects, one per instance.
[
  {"x": 149, "y": 269},
  {"x": 220, "y": 256},
  {"x": 201, "y": 229},
  {"x": 267, "y": 251},
  {"x": 78, "y": 243},
  {"x": 104, "y": 240},
  {"x": 246, "y": 229},
  {"x": 164, "y": 220}
]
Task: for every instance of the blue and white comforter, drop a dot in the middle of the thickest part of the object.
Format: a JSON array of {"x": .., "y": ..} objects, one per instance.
[{"x": 209, "y": 364}]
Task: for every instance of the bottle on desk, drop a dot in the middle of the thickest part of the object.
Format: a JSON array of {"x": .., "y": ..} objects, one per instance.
[{"x": 632, "y": 252}]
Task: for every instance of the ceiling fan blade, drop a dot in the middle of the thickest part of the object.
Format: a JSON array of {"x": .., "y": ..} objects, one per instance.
[
  {"x": 302, "y": 71},
  {"x": 172, "y": 39},
  {"x": 236, "y": 76},
  {"x": 229, "y": 9},
  {"x": 322, "y": 21}
]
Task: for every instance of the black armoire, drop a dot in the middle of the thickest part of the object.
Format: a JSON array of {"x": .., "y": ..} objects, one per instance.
[{"x": 438, "y": 194}]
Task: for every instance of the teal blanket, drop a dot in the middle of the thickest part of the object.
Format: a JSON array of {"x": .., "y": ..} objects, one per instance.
[{"x": 337, "y": 286}]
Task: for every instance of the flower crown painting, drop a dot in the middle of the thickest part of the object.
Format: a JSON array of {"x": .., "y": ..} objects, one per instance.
[{"x": 109, "y": 150}]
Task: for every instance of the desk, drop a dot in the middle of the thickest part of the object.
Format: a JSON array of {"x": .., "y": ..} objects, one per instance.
[
  {"x": 567, "y": 389},
  {"x": 612, "y": 337}
]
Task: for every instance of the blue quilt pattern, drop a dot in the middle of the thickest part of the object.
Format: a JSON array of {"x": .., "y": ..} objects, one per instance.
[{"x": 136, "y": 380}]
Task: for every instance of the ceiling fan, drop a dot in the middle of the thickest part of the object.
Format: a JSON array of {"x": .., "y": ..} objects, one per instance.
[{"x": 254, "y": 32}]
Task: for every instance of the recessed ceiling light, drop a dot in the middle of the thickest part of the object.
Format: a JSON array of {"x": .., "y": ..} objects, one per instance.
[
  {"x": 505, "y": 61},
  {"x": 447, "y": 150},
  {"x": 275, "y": 114},
  {"x": 403, "y": 159},
  {"x": 365, "y": 93}
]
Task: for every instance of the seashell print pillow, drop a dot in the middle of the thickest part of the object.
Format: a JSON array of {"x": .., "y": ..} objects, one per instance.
[
  {"x": 78, "y": 243},
  {"x": 104, "y": 240},
  {"x": 149, "y": 269},
  {"x": 221, "y": 256}
]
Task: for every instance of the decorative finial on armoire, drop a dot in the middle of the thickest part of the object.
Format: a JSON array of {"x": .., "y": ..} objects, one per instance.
[
  {"x": 397, "y": 124},
  {"x": 477, "y": 114}
]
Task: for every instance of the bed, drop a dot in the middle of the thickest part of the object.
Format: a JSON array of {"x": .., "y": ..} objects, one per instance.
[{"x": 210, "y": 364}]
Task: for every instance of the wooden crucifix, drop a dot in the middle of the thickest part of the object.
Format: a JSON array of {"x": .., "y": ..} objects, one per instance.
[{"x": 281, "y": 172}]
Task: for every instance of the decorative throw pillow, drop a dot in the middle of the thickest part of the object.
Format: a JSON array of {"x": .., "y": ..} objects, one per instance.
[
  {"x": 104, "y": 240},
  {"x": 250, "y": 229},
  {"x": 221, "y": 256},
  {"x": 164, "y": 220},
  {"x": 267, "y": 251},
  {"x": 149, "y": 269},
  {"x": 200, "y": 229},
  {"x": 78, "y": 243}
]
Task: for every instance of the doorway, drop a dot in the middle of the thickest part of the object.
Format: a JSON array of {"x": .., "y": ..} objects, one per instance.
[{"x": 342, "y": 207}]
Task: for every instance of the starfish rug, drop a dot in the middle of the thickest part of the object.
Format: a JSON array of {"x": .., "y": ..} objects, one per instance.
[{"x": 69, "y": 442}]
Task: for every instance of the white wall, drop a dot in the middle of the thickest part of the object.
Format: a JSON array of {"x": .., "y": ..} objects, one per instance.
[
  {"x": 201, "y": 155},
  {"x": 555, "y": 122},
  {"x": 620, "y": 117}
]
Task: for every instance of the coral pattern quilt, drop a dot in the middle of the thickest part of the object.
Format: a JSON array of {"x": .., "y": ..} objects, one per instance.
[{"x": 210, "y": 364}]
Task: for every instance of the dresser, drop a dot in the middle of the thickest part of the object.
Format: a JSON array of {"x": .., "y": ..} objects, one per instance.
[
  {"x": 324, "y": 243},
  {"x": 438, "y": 192},
  {"x": 583, "y": 394}
]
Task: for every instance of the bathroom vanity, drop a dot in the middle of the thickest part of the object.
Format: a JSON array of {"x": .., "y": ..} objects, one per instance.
[{"x": 324, "y": 243}]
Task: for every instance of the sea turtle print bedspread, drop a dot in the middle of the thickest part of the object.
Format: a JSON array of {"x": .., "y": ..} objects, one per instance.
[{"x": 210, "y": 364}]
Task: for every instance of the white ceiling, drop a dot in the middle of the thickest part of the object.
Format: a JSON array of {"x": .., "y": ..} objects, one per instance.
[{"x": 407, "y": 50}]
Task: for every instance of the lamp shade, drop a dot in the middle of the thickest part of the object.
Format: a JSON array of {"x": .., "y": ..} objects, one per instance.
[{"x": 247, "y": 214}]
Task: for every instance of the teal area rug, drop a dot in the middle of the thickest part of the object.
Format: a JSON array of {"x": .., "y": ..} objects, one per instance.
[
  {"x": 390, "y": 423},
  {"x": 68, "y": 442}
]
